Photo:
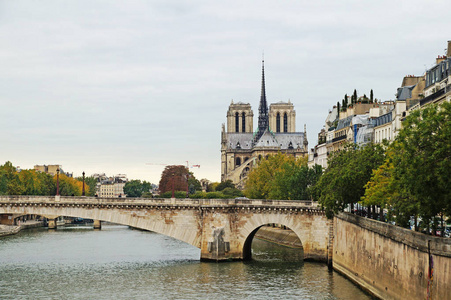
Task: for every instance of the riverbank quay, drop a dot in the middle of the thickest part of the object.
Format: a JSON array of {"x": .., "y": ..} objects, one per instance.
[
  {"x": 391, "y": 262},
  {"x": 6, "y": 230}
]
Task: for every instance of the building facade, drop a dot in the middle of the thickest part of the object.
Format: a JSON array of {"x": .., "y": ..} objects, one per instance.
[
  {"x": 52, "y": 170},
  {"x": 110, "y": 187},
  {"x": 241, "y": 147}
]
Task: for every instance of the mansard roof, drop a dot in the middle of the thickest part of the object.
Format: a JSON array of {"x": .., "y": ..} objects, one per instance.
[
  {"x": 405, "y": 92},
  {"x": 343, "y": 123}
]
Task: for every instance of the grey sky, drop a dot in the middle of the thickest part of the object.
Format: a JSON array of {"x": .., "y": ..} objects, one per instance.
[{"x": 108, "y": 86}]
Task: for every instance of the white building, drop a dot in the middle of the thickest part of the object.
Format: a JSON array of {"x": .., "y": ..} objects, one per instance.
[{"x": 110, "y": 187}]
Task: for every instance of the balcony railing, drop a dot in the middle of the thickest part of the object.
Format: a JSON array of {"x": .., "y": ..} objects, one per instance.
[{"x": 339, "y": 138}]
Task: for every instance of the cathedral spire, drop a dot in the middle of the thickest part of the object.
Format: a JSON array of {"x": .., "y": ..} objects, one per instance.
[{"x": 263, "y": 119}]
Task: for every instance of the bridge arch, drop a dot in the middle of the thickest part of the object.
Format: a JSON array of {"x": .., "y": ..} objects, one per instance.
[
  {"x": 134, "y": 221},
  {"x": 310, "y": 229},
  {"x": 247, "y": 247}
]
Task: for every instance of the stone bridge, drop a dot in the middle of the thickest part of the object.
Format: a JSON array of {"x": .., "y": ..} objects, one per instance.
[{"x": 222, "y": 228}]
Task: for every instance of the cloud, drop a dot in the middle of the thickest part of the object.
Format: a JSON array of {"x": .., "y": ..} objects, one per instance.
[{"x": 106, "y": 86}]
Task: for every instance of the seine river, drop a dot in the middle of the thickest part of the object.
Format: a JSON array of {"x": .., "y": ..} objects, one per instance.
[{"x": 120, "y": 263}]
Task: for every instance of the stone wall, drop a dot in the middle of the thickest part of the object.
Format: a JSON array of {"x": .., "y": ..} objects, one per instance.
[
  {"x": 389, "y": 261},
  {"x": 280, "y": 236}
]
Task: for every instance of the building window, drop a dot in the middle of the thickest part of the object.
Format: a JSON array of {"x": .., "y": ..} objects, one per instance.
[
  {"x": 285, "y": 122},
  {"x": 238, "y": 161},
  {"x": 237, "y": 122},
  {"x": 243, "y": 122},
  {"x": 278, "y": 122}
]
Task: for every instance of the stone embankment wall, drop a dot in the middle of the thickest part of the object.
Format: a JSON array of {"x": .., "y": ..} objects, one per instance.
[
  {"x": 389, "y": 261},
  {"x": 279, "y": 236},
  {"x": 8, "y": 230},
  {"x": 13, "y": 229}
]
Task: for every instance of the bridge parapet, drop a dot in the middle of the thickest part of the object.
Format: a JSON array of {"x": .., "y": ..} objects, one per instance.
[{"x": 247, "y": 203}]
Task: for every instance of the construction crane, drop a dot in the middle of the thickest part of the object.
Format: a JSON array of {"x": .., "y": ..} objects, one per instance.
[{"x": 188, "y": 166}]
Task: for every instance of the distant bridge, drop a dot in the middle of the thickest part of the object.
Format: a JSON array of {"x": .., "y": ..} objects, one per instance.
[{"x": 222, "y": 228}]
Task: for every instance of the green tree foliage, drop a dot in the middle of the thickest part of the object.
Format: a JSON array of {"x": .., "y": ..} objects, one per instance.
[
  {"x": 232, "y": 192},
  {"x": 343, "y": 182},
  {"x": 136, "y": 188},
  {"x": 414, "y": 180},
  {"x": 26, "y": 182},
  {"x": 281, "y": 176},
  {"x": 177, "y": 194},
  {"x": 227, "y": 190},
  {"x": 69, "y": 186},
  {"x": 225, "y": 184},
  {"x": 422, "y": 159},
  {"x": 194, "y": 184},
  {"x": 371, "y": 96},
  {"x": 354, "y": 96},
  {"x": 90, "y": 185},
  {"x": 384, "y": 191},
  {"x": 212, "y": 186}
]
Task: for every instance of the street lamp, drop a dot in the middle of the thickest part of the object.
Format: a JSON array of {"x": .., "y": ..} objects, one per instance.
[
  {"x": 83, "y": 192},
  {"x": 58, "y": 181},
  {"x": 173, "y": 187},
  {"x": 187, "y": 185}
]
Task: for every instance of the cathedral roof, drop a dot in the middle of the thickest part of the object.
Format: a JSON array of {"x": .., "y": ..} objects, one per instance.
[
  {"x": 283, "y": 141},
  {"x": 267, "y": 140},
  {"x": 239, "y": 140},
  {"x": 288, "y": 140}
]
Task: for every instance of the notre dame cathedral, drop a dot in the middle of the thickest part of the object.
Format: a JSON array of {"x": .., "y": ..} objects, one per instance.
[{"x": 241, "y": 147}]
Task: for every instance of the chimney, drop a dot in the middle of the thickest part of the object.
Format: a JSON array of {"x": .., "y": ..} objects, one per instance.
[
  {"x": 448, "y": 53},
  {"x": 439, "y": 59}
]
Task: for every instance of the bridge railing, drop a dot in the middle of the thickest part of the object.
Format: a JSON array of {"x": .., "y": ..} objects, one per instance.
[{"x": 160, "y": 201}]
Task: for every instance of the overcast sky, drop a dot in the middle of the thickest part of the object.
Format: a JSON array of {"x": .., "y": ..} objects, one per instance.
[{"x": 108, "y": 86}]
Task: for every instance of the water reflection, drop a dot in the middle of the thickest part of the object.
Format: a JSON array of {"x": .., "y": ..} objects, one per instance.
[{"x": 119, "y": 263}]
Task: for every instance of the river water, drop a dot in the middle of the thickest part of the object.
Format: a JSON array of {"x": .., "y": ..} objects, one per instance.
[{"x": 121, "y": 263}]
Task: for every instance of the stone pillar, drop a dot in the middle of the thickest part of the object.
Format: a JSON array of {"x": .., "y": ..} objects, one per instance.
[
  {"x": 97, "y": 224},
  {"x": 52, "y": 223},
  {"x": 217, "y": 242}
]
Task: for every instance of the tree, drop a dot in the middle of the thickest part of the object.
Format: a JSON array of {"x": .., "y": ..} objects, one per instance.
[
  {"x": 69, "y": 186},
  {"x": 259, "y": 183},
  {"x": 9, "y": 180},
  {"x": 194, "y": 184},
  {"x": 136, "y": 188},
  {"x": 343, "y": 182},
  {"x": 224, "y": 184},
  {"x": 385, "y": 192},
  {"x": 178, "y": 177},
  {"x": 371, "y": 96},
  {"x": 232, "y": 192},
  {"x": 355, "y": 96},
  {"x": 422, "y": 159},
  {"x": 281, "y": 176},
  {"x": 212, "y": 186},
  {"x": 90, "y": 185}
]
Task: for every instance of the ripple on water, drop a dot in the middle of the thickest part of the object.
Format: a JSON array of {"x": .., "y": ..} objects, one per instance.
[{"x": 118, "y": 263}]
